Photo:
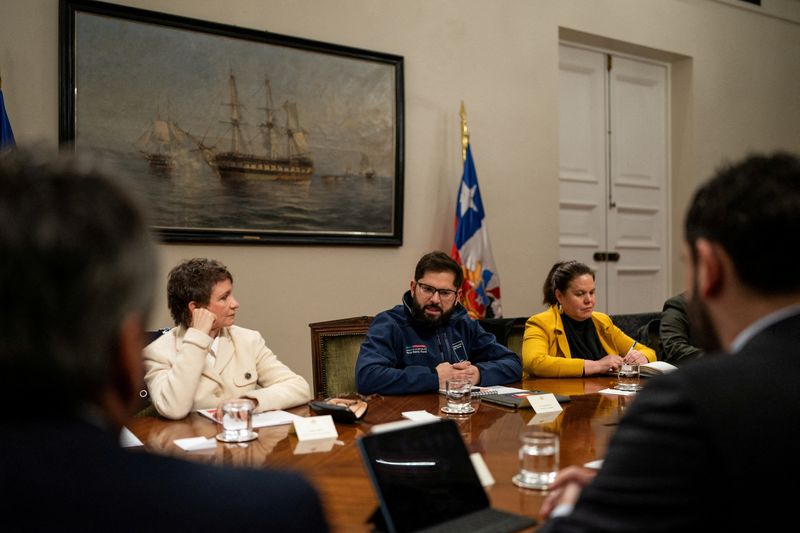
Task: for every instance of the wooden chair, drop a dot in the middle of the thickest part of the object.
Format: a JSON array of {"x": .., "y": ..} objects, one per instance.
[{"x": 334, "y": 348}]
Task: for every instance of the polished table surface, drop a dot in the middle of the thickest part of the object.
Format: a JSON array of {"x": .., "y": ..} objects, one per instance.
[{"x": 585, "y": 428}]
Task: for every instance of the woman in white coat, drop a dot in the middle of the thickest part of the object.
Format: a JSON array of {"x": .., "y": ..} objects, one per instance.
[{"x": 206, "y": 359}]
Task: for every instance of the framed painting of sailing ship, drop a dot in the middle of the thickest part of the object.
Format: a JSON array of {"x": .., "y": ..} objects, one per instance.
[{"x": 236, "y": 135}]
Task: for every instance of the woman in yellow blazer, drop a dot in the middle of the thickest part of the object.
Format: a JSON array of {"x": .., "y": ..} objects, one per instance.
[{"x": 570, "y": 339}]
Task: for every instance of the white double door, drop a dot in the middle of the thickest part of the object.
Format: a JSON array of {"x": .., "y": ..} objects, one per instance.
[{"x": 614, "y": 175}]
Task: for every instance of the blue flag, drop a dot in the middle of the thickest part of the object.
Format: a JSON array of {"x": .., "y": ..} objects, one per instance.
[
  {"x": 6, "y": 135},
  {"x": 480, "y": 292}
]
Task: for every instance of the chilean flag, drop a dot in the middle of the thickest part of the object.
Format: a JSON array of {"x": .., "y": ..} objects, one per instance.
[
  {"x": 471, "y": 249},
  {"x": 6, "y": 135}
]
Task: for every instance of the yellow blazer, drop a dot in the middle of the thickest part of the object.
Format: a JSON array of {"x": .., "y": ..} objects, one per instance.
[{"x": 545, "y": 350}]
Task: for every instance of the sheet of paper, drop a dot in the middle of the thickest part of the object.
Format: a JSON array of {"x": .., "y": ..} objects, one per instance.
[
  {"x": 481, "y": 469},
  {"x": 419, "y": 415},
  {"x": 596, "y": 464},
  {"x": 498, "y": 389},
  {"x": 544, "y": 403},
  {"x": 192, "y": 444},
  {"x": 315, "y": 427},
  {"x": 618, "y": 392},
  {"x": 127, "y": 439},
  {"x": 260, "y": 420}
]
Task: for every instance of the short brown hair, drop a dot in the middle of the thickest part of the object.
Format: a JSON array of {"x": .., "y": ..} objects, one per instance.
[{"x": 192, "y": 281}]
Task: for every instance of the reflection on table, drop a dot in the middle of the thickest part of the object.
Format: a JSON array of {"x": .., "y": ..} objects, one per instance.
[{"x": 585, "y": 427}]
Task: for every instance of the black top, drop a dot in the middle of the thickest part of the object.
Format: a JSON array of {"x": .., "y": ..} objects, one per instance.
[{"x": 582, "y": 338}]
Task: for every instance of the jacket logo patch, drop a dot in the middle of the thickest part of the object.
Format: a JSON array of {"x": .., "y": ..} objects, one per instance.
[
  {"x": 416, "y": 349},
  {"x": 458, "y": 349}
]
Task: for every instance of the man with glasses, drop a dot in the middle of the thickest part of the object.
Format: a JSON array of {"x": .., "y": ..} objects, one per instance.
[{"x": 429, "y": 338}]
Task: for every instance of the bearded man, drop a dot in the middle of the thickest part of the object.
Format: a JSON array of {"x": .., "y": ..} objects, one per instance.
[{"x": 417, "y": 345}]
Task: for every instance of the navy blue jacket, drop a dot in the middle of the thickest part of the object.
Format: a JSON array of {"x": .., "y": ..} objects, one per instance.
[{"x": 400, "y": 353}]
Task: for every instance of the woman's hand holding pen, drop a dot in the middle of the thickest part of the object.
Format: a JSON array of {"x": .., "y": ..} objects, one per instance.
[{"x": 635, "y": 356}]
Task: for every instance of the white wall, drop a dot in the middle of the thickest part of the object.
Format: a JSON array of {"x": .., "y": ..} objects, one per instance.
[{"x": 735, "y": 88}]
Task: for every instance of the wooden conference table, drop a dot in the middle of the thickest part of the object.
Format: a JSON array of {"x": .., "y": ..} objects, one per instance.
[{"x": 585, "y": 427}]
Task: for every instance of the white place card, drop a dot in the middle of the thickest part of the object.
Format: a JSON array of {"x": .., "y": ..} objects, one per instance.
[
  {"x": 481, "y": 469},
  {"x": 419, "y": 415},
  {"x": 315, "y": 427},
  {"x": 544, "y": 403},
  {"x": 544, "y": 418}
]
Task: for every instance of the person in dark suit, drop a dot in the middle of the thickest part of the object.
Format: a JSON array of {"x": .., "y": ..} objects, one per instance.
[
  {"x": 78, "y": 268},
  {"x": 679, "y": 342},
  {"x": 712, "y": 446}
]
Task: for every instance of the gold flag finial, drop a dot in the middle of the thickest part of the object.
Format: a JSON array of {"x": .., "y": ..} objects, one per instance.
[{"x": 464, "y": 132}]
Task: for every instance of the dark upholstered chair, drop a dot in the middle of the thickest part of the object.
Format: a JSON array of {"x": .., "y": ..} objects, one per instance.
[
  {"x": 508, "y": 331},
  {"x": 643, "y": 327},
  {"x": 334, "y": 348}
]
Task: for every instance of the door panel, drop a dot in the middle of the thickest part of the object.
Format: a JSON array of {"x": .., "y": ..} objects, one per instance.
[
  {"x": 637, "y": 221},
  {"x": 582, "y": 168},
  {"x": 613, "y": 175}
]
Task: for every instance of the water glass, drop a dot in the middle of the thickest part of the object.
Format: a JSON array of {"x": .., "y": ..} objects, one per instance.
[
  {"x": 459, "y": 396},
  {"x": 538, "y": 459},
  {"x": 237, "y": 421},
  {"x": 628, "y": 377}
]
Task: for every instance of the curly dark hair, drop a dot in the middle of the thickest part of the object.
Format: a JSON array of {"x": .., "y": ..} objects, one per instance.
[{"x": 192, "y": 281}]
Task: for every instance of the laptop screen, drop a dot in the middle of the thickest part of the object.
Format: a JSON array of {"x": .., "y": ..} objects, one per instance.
[{"x": 423, "y": 475}]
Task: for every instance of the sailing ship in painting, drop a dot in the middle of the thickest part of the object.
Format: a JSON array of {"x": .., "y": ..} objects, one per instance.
[
  {"x": 162, "y": 143},
  {"x": 284, "y": 153},
  {"x": 366, "y": 168}
]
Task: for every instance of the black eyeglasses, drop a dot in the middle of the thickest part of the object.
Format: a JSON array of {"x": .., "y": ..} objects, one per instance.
[{"x": 444, "y": 294}]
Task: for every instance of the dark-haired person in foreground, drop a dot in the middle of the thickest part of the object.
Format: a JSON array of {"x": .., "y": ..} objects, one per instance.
[
  {"x": 429, "y": 338},
  {"x": 78, "y": 267},
  {"x": 712, "y": 446},
  {"x": 206, "y": 359}
]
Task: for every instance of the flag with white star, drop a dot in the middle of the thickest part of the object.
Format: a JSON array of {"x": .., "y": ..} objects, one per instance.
[{"x": 471, "y": 249}]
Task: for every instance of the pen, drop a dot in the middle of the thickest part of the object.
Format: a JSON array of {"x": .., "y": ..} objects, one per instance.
[{"x": 630, "y": 350}]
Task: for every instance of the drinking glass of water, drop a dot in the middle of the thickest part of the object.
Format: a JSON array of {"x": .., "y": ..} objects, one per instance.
[
  {"x": 628, "y": 377},
  {"x": 237, "y": 421},
  {"x": 538, "y": 459},
  {"x": 459, "y": 396}
]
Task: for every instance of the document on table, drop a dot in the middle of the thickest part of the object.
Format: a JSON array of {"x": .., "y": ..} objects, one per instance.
[
  {"x": 127, "y": 439},
  {"x": 260, "y": 420},
  {"x": 618, "y": 392}
]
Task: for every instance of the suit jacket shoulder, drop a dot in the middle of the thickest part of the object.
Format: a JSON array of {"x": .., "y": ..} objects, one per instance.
[{"x": 69, "y": 475}]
